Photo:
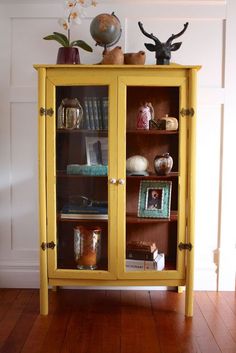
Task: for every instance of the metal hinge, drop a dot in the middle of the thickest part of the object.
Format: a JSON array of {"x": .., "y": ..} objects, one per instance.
[
  {"x": 185, "y": 246},
  {"x": 187, "y": 112},
  {"x": 44, "y": 112},
  {"x": 50, "y": 245}
]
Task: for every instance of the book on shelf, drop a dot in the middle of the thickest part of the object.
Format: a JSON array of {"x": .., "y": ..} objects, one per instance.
[
  {"x": 143, "y": 265},
  {"x": 145, "y": 245},
  {"x": 99, "y": 110},
  {"x": 141, "y": 255},
  {"x": 91, "y": 210},
  {"x": 91, "y": 113},
  {"x": 83, "y": 216},
  {"x": 86, "y": 115},
  {"x": 95, "y": 113},
  {"x": 104, "y": 103}
]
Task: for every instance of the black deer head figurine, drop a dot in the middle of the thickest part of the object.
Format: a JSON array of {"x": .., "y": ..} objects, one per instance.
[{"x": 163, "y": 50}]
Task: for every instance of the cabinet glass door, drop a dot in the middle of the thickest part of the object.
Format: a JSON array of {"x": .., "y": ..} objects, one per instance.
[
  {"x": 154, "y": 201},
  {"x": 78, "y": 178}
]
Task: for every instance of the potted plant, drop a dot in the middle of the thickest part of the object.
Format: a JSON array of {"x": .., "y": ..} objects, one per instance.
[{"x": 68, "y": 53}]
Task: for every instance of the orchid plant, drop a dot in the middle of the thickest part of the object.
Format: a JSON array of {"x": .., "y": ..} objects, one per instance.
[{"x": 75, "y": 11}]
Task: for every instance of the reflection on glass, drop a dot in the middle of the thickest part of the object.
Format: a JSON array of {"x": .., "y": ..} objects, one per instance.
[
  {"x": 151, "y": 199},
  {"x": 82, "y": 169}
]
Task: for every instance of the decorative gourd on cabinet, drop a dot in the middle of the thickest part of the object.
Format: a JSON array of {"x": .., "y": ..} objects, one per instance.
[{"x": 100, "y": 224}]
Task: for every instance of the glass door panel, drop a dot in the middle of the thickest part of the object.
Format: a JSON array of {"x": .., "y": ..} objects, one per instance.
[
  {"x": 151, "y": 196},
  {"x": 81, "y": 177}
]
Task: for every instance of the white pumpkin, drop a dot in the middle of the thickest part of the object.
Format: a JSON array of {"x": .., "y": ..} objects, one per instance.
[{"x": 136, "y": 164}]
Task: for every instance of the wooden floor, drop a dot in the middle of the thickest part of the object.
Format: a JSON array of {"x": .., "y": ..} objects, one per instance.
[{"x": 99, "y": 321}]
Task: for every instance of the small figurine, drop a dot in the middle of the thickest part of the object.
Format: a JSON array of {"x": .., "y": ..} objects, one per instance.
[
  {"x": 145, "y": 114},
  {"x": 135, "y": 58},
  {"x": 113, "y": 57}
]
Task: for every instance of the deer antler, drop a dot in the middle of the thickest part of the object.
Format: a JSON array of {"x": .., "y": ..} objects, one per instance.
[
  {"x": 174, "y": 36},
  {"x": 149, "y": 35}
]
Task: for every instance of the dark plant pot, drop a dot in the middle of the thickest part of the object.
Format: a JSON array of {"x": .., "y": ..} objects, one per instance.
[{"x": 68, "y": 55}]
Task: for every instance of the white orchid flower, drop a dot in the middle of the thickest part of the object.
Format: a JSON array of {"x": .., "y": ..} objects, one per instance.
[
  {"x": 87, "y": 3},
  {"x": 63, "y": 22}
]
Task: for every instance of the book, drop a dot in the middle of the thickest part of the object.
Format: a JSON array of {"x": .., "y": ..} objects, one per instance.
[
  {"x": 91, "y": 210},
  {"x": 83, "y": 216},
  {"x": 141, "y": 255},
  {"x": 86, "y": 114},
  {"x": 91, "y": 115},
  {"x": 95, "y": 113},
  {"x": 99, "y": 109},
  {"x": 148, "y": 246},
  {"x": 105, "y": 112},
  {"x": 142, "y": 265}
]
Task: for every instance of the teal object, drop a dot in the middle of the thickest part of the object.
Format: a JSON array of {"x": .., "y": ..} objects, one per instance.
[
  {"x": 154, "y": 199},
  {"x": 84, "y": 169}
]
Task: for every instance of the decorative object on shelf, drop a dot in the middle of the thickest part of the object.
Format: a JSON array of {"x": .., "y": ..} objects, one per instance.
[
  {"x": 138, "y": 58},
  {"x": 154, "y": 199},
  {"x": 106, "y": 30},
  {"x": 137, "y": 165},
  {"x": 169, "y": 123},
  {"x": 87, "y": 244},
  {"x": 141, "y": 250},
  {"x": 145, "y": 114},
  {"x": 85, "y": 169},
  {"x": 70, "y": 114},
  {"x": 69, "y": 53},
  {"x": 163, "y": 50},
  {"x": 96, "y": 150},
  {"x": 158, "y": 264},
  {"x": 113, "y": 57},
  {"x": 163, "y": 164}
]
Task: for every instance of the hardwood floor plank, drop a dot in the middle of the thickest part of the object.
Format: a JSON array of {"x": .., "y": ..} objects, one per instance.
[
  {"x": 230, "y": 297},
  {"x": 19, "y": 333},
  {"x": 13, "y": 314},
  {"x": 223, "y": 309},
  {"x": 7, "y": 297},
  {"x": 40, "y": 327},
  {"x": 215, "y": 323},
  {"x": 138, "y": 330}
]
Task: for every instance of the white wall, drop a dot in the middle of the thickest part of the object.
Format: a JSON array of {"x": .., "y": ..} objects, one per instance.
[{"x": 209, "y": 41}]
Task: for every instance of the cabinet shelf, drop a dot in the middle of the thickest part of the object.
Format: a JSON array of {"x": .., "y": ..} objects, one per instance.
[
  {"x": 152, "y": 132},
  {"x": 83, "y": 131},
  {"x": 132, "y": 218},
  {"x": 154, "y": 176},
  {"x": 63, "y": 174}
]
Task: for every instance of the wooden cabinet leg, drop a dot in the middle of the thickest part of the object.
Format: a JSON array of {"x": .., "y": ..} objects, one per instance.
[
  {"x": 44, "y": 299},
  {"x": 180, "y": 289}
]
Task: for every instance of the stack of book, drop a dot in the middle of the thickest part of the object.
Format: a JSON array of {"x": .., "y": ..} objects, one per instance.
[
  {"x": 141, "y": 256},
  {"x": 96, "y": 113},
  {"x": 83, "y": 212}
]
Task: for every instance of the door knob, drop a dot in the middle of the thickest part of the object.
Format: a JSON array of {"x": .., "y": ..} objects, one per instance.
[
  {"x": 112, "y": 181},
  {"x": 121, "y": 181}
]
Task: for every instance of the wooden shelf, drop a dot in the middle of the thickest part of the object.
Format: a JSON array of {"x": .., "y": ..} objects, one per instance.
[
  {"x": 154, "y": 176},
  {"x": 132, "y": 218},
  {"x": 152, "y": 132},
  {"x": 83, "y": 131},
  {"x": 63, "y": 174},
  {"x": 73, "y": 220}
]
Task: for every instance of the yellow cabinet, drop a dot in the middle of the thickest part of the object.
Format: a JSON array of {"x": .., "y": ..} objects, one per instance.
[{"x": 108, "y": 215}]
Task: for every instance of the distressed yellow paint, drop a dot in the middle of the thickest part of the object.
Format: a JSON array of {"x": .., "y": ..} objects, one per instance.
[{"x": 117, "y": 78}]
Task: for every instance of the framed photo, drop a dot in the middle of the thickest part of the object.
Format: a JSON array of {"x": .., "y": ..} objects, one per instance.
[
  {"x": 96, "y": 150},
  {"x": 154, "y": 199}
]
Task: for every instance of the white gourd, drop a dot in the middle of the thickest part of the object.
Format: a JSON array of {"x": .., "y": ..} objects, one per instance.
[{"x": 136, "y": 164}]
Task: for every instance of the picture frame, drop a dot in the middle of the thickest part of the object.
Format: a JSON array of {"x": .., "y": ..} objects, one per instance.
[
  {"x": 154, "y": 199},
  {"x": 96, "y": 150}
]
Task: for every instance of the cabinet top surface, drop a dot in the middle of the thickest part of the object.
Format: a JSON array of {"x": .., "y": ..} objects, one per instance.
[{"x": 116, "y": 67}]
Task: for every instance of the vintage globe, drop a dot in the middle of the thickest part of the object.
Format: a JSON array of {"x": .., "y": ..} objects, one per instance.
[{"x": 105, "y": 29}]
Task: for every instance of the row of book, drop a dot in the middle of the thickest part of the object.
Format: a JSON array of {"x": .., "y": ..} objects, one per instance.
[
  {"x": 142, "y": 256},
  {"x": 95, "y": 113}
]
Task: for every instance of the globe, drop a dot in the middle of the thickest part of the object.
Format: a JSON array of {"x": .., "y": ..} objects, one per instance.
[{"x": 105, "y": 29}]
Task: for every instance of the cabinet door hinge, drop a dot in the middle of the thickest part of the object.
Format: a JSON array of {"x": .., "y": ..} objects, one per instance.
[
  {"x": 44, "y": 111},
  {"x": 185, "y": 246},
  {"x": 50, "y": 245},
  {"x": 187, "y": 112}
]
